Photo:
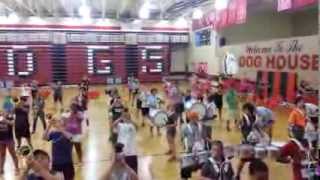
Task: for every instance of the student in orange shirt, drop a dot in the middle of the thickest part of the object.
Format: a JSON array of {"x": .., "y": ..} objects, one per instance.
[{"x": 298, "y": 116}]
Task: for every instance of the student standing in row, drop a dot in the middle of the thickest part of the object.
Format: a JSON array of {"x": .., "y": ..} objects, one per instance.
[
  {"x": 73, "y": 125},
  {"x": 172, "y": 131},
  {"x": 217, "y": 167},
  {"x": 232, "y": 101},
  {"x": 61, "y": 148},
  {"x": 57, "y": 94},
  {"x": 6, "y": 140},
  {"x": 38, "y": 112},
  {"x": 218, "y": 100},
  {"x": 127, "y": 136},
  {"x": 22, "y": 128}
]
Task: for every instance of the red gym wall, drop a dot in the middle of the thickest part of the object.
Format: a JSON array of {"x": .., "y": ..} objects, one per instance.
[{"x": 69, "y": 56}]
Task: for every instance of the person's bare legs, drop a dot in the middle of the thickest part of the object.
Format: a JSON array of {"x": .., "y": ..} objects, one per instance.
[
  {"x": 14, "y": 157},
  {"x": 172, "y": 148},
  {"x": 78, "y": 151},
  {"x": 2, "y": 157},
  {"x": 29, "y": 142},
  {"x": 220, "y": 114},
  {"x": 18, "y": 142}
]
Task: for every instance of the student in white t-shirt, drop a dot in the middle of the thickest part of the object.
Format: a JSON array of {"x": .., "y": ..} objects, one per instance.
[
  {"x": 143, "y": 105},
  {"x": 127, "y": 136}
]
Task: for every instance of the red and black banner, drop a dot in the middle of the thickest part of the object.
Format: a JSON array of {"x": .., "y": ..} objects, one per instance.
[{"x": 274, "y": 84}]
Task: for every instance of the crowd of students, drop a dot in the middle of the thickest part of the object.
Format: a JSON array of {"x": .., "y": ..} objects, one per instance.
[{"x": 66, "y": 131}]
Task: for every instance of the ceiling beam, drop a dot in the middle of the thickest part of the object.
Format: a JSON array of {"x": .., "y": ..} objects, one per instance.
[{"x": 21, "y": 4}]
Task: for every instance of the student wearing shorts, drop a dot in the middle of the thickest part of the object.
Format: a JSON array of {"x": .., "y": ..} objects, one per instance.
[
  {"x": 61, "y": 148},
  {"x": 232, "y": 101}
]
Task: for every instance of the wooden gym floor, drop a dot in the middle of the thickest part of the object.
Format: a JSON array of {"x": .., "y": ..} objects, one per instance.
[{"x": 153, "y": 164}]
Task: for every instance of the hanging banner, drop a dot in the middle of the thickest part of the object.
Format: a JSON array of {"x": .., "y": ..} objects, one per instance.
[
  {"x": 232, "y": 12},
  {"x": 241, "y": 11},
  {"x": 284, "y": 5},
  {"x": 224, "y": 18},
  {"x": 297, "y": 55},
  {"x": 303, "y": 3}
]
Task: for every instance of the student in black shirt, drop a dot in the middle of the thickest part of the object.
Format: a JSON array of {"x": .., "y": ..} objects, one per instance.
[
  {"x": 217, "y": 167},
  {"x": 21, "y": 127},
  {"x": 218, "y": 101},
  {"x": 34, "y": 88},
  {"x": 38, "y": 112},
  {"x": 84, "y": 84},
  {"x": 248, "y": 120},
  {"x": 6, "y": 140},
  {"x": 172, "y": 131},
  {"x": 116, "y": 111},
  {"x": 57, "y": 93}
]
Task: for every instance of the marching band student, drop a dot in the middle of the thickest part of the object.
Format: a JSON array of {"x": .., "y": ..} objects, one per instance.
[
  {"x": 187, "y": 96},
  {"x": 21, "y": 127},
  {"x": 218, "y": 100},
  {"x": 172, "y": 131},
  {"x": 73, "y": 125},
  {"x": 82, "y": 102},
  {"x": 153, "y": 102},
  {"x": 61, "y": 147},
  {"x": 311, "y": 130},
  {"x": 142, "y": 101},
  {"x": 265, "y": 120},
  {"x": 127, "y": 136},
  {"x": 297, "y": 151},
  {"x": 135, "y": 89},
  {"x": 57, "y": 94},
  {"x": 116, "y": 111},
  {"x": 217, "y": 167},
  {"x": 248, "y": 120},
  {"x": 298, "y": 116},
  {"x": 207, "y": 121},
  {"x": 6, "y": 140},
  {"x": 84, "y": 84},
  {"x": 38, "y": 104},
  {"x": 34, "y": 85},
  {"x": 177, "y": 100},
  {"x": 258, "y": 137},
  {"x": 119, "y": 169},
  {"x": 38, "y": 167},
  {"x": 191, "y": 133},
  {"x": 113, "y": 94},
  {"x": 130, "y": 87},
  {"x": 232, "y": 101},
  {"x": 133, "y": 86}
]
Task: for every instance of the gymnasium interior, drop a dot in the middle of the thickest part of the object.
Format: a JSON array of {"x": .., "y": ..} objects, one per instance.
[{"x": 265, "y": 50}]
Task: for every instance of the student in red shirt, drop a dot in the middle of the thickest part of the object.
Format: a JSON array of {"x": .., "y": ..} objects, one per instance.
[{"x": 297, "y": 152}]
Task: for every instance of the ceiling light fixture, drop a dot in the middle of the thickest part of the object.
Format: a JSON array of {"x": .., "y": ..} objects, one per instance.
[
  {"x": 197, "y": 14},
  {"x": 36, "y": 20},
  {"x": 162, "y": 23},
  {"x": 181, "y": 23},
  {"x": 144, "y": 13},
  {"x": 13, "y": 18},
  {"x": 221, "y": 4},
  {"x": 84, "y": 11}
]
